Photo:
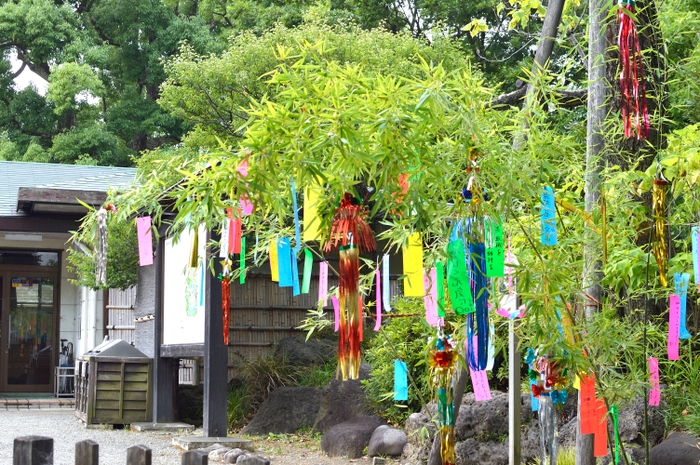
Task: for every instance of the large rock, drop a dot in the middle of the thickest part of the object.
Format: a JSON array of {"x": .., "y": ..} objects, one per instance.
[
  {"x": 341, "y": 401},
  {"x": 678, "y": 449},
  {"x": 349, "y": 439},
  {"x": 299, "y": 352},
  {"x": 387, "y": 441},
  {"x": 473, "y": 452},
  {"x": 286, "y": 410}
]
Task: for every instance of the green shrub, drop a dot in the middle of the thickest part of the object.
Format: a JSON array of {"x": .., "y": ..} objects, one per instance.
[{"x": 403, "y": 338}]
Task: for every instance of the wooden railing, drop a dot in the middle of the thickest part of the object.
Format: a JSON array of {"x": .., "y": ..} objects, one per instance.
[{"x": 38, "y": 450}]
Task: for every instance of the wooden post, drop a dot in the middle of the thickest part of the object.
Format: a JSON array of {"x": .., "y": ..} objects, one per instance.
[
  {"x": 138, "y": 455},
  {"x": 32, "y": 450},
  {"x": 195, "y": 457},
  {"x": 87, "y": 453},
  {"x": 162, "y": 395},
  {"x": 514, "y": 413},
  {"x": 215, "y": 352}
]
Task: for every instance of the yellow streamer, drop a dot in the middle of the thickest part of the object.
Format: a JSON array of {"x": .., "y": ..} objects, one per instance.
[{"x": 413, "y": 267}]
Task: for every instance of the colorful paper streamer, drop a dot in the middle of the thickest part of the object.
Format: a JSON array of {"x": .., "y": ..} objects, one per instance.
[
  {"x": 400, "y": 380},
  {"x": 480, "y": 384},
  {"x": 274, "y": 261},
  {"x": 413, "y": 266},
  {"x": 674, "y": 319},
  {"x": 458, "y": 284},
  {"x": 440, "y": 274},
  {"x": 308, "y": 265},
  {"x": 284, "y": 262},
  {"x": 145, "y": 240},
  {"x": 695, "y": 242},
  {"x": 655, "y": 391},
  {"x": 386, "y": 284},
  {"x": 430, "y": 298},
  {"x": 241, "y": 265},
  {"x": 312, "y": 222},
  {"x": 680, "y": 281},
  {"x": 495, "y": 251},
  {"x": 378, "y": 294},
  {"x": 336, "y": 311},
  {"x": 548, "y": 218}
]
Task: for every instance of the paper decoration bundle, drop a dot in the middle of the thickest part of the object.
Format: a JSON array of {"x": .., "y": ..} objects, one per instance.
[
  {"x": 351, "y": 234},
  {"x": 441, "y": 365},
  {"x": 660, "y": 244},
  {"x": 635, "y": 114}
]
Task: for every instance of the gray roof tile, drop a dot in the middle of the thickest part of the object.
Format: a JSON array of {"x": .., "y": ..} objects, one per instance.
[{"x": 14, "y": 174}]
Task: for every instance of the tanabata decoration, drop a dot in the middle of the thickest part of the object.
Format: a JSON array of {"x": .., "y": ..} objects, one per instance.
[
  {"x": 659, "y": 244},
  {"x": 548, "y": 387},
  {"x": 442, "y": 361},
  {"x": 226, "y": 298},
  {"x": 695, "y": 238},
  {"x": 680, "y": 282},
  {"x": 548, "y": 218},
  {"x": 635, "y": 114},
  {"x": 351, "y": 234}
]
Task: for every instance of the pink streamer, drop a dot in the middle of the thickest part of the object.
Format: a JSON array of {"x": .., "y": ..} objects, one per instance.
[
  {"x": 145, "y": 239},
  {"x": 480, "y": 383},
  {"x": 336, "y": 310},
  {"x": 246, "y": 204},
  {"x": 655, "y": 392},
  {"x": 430, "y": 298},
  {"x": 323, "y": 283},
  {"x": 378, "y": 292},
  {"x": 674, "y": 325}
]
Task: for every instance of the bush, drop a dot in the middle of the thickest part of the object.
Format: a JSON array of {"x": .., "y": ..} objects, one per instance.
[{"x": 403, "y": 338}]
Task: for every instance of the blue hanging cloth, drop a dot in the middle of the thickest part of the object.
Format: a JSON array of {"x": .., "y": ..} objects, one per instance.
[{"x": 478, "y": 320}]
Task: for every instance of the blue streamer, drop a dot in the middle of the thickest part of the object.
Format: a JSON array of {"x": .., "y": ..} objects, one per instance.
[
  {"x": 284, "y": 262},
  {"x": 548, "y": 218},
  {"x": 534, "y": 400},
  {"x": 478, "y": 320},
  {"x": 400, "y": 380},
  {"x": 680, "y": 282},
  {"x": 295, "y": 272},
  {"x": 297, "y": 234}
]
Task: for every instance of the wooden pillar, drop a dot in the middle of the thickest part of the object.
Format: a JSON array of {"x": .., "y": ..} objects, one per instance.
[
  {"x": 138, "y": 455},
  {"x": 215, "y": 353},
  {"x": 87, "y": 453},
  {"x": 32, "y": 450},
  {"x": 163, "y": 387},
  {"x": 195, "y": 457}
]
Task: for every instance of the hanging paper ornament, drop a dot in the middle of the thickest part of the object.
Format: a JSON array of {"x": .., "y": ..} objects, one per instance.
[
  {"x": 386, "y": 283},
  {"x": 659, "y": 244},
  {"x": 478, "y": 321},
  {"x": 547, "y": 385},
  {"x": 695, "y": 238},
  {"x": 101, "y": 252},
  {"x": 400, "y": 380},
  {"x": 413, "y": 266},
  {"x": 635, "y": 114},
  {"x": 145, "y": 240},
  {"x": 680, "y": 282},
  {"x": 226, "y": 298},
  {"x": 548, "y": 218},
  {"x": 442, "y": 360},
  {"x": 352, "y": 235},
  {"x": 378, "y": 298},
  {"x": 495, "y": 252}
]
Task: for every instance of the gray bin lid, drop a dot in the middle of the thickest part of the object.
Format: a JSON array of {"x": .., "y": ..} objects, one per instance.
[{"x": 118, "y": 348}]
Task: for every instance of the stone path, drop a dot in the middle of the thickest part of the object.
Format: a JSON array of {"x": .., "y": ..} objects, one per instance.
[{"x": 62, "y": 425}]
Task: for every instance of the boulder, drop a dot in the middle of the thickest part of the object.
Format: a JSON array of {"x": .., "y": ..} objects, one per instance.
[
  {"x": 678, "y": 449},
  {"x": 350, "y": 438},
  {"x": 246, "y": 459},
  {"x": 297, "y": 351},
  {"x": 341, "y": 401},
  {"x": 232, "y": 455},
  {"x": 473, "y": 452},
  {"x": 286, "y": 410},
  {"x": 218, "y": 454},
  {"x": 387, "y": 441}
]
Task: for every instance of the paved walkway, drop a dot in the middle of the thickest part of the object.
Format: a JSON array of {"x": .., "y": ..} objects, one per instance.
[
  {"x": 36, "y": 403},
  {"x": 62, "y": 425}
]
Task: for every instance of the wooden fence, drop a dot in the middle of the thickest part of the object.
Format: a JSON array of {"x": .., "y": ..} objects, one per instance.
[{"x": 38, "y": 450}]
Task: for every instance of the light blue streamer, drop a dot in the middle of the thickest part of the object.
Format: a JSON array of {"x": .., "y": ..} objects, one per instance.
[
  {"x": 548, "y": 218},
  {"x": 680, "y": 282}
]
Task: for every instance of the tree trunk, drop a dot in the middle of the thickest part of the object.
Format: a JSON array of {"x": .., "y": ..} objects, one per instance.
[{"x": 595, "y": 150}]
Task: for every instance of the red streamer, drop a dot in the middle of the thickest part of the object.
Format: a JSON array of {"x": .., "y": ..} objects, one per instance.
[
  {"x": 225, "y": 305},
  {"x": 635, "y": 114}
]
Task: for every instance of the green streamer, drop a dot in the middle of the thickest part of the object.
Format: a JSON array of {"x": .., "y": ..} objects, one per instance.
[
  {"x": 613, "y": 412},
  {"x": 458, "y": 284},
  {"x": 241, "y": 277},
  {"x": 440, "y": 271},
  {"x": 308, "y": 263}
]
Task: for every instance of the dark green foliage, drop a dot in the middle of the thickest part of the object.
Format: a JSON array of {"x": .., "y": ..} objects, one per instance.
[{"x": 405, "y": 339}]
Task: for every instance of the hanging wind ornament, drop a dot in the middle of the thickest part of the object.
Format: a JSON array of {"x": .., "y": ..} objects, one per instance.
[
  {"x": 635, "y": 114},
  {"x": 351, "y": 234},
  {"x": 442, "y": 360},
  {"x": 226, "y": 298},
  {"x": 101, "y": 249},
  {"x": 659, "y": 244},
  {"x": 478, "y": 320},
  {"x": 548, "y": 387}
]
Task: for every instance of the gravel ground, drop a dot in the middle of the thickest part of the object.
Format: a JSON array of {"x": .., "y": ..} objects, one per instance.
[{"x": 66, "y": 430}]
